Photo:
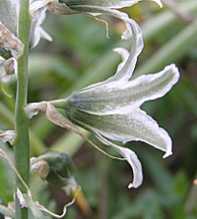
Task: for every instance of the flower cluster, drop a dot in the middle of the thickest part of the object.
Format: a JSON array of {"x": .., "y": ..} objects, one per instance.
[{"x": 110, "y": 110}]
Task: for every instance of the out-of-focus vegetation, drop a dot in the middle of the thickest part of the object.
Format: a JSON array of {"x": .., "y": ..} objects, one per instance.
[{"x": 80, "y": 55}]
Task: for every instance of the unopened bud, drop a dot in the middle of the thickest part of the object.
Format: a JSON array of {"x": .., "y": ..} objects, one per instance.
[{"x": 41, "y": 168}]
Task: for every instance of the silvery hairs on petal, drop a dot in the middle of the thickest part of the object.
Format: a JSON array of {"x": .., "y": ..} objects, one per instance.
[{"x": 128, "y": 122}]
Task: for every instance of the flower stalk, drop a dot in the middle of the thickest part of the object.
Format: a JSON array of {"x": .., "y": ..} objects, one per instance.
[{"x": 22, "y": 156}]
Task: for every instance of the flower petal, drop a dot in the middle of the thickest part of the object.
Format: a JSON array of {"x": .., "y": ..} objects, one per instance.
[
  {"x": 134, "y": 34},
  {"x": 135, "y": 125},
  {"x": 121, "y": 96},
  {"x": 131, "y": 158},
  {"x": 124, "y": 53}
]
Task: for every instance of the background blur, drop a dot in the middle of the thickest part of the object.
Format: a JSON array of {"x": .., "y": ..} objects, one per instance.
[{"x": 80, "y": 55}]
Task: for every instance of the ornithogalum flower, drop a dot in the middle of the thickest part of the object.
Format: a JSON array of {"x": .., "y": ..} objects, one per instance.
[{"x": 112, "y": 109}]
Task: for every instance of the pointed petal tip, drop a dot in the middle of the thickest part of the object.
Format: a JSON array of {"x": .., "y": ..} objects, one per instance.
[
  {"x": 168, "y": 142},
  {"x": 129, "y": 156},
  {"x": 132, "y": 185},
  {"x": 173, "y": 70},
  {"x": 167, "y": 154}
]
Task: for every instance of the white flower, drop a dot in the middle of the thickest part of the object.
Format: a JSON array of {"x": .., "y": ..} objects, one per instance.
[{"x": 111, "y": 109}]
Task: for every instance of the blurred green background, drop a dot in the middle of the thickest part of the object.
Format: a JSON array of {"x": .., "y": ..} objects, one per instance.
[{"x": 80, "y": 55}]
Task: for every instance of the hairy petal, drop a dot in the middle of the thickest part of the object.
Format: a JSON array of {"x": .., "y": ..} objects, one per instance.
[
  {"x": 124, "y": 53},
  {"x": 121, "y": 96},
  {"x": 134, "y": 34},
  {"x": 132, "y": 126}
]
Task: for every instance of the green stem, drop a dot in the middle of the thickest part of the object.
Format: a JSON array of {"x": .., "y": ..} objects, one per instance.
[{"x": 22, "y": 150}]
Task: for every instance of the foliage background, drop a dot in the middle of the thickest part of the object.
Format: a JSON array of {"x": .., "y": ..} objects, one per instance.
[{"x": 81, "y": 54}]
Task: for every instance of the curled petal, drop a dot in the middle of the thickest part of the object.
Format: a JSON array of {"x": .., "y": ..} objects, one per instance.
[
  {"x": 134, "y": 33},
  {"x": 131, "y": 158},
  {"x": 134, "y": 162}
]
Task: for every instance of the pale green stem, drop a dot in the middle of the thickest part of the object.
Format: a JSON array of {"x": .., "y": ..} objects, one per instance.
[{"x": 22, "y": 150}]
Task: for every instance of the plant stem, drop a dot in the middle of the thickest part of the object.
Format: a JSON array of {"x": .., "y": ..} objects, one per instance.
[{"x": 22, "y": 150}]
